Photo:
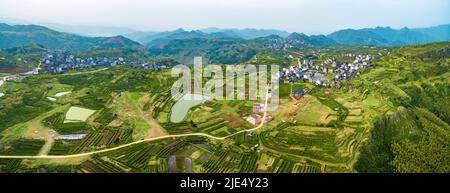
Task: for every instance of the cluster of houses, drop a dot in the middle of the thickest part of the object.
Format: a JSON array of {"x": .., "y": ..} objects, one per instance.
[
  {"x": 256, "y": 118},
  {"x": 151, "y": 66},
  {"x": 58, "y": 62},
  {"x": 157, "y": 64},
  {"x": 317, "y": 74}
]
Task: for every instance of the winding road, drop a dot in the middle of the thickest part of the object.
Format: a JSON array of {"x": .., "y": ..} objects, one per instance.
[{"x": 137, "y": 142}]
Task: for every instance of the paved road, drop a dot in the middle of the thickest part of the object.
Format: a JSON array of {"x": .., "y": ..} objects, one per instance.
[{"x": 136, "y": 142}]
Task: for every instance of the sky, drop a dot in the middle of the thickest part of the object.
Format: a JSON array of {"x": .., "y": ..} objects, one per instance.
[{"x": 307, "y": 16}]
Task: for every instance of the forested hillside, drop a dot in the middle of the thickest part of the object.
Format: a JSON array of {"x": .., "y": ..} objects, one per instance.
[{"x": 414, "y": 138}]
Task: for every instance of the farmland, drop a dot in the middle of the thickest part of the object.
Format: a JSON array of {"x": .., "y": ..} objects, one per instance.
[
  {"x": 219, "y": 118},
  {"x": 127, "y": 113},
  {"x": 77, "y": 114}
]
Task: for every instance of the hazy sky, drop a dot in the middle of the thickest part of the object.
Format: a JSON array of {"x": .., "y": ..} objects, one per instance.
[{"x": 308, "y": 16}]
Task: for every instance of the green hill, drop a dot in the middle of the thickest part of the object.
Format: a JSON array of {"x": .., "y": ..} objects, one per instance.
[
  {"x": 20, "y": 35},
  {"x": 20, "y": 59},
  {"x": 415, "y": 138},
  {"x": 386, "y": 36},
  {"x": 220, "y": 50}
]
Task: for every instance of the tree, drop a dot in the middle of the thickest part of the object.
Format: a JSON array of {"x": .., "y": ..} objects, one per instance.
[{"x": 429, "y": 155}]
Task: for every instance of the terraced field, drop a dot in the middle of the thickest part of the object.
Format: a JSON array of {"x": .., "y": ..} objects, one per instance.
[
  {"x": 324, "y": 132},
  {"x": 125, "y": 124}
]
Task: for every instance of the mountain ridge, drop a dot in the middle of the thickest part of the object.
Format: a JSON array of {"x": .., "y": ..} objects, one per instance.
[
  {"x": 20, "y": 35},
  {"x": 387, "y": 36}
]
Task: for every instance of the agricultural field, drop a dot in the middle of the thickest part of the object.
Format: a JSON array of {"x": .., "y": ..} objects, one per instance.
[
  {"x": 78, "y": 114},
  {"x": 124, "y": 118},
  {"x": 58, "y": 90},
  {"x": 312, "y": 112},
  {"x": 218, "y": 118},
  {"x": 327, "y": 144}
]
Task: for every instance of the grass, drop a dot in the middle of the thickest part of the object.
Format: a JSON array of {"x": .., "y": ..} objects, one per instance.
[
  {"x": 129, "y": 108},
  {"x": 216, "y": 117},
  {"x": 20, "y": 130},
  {"x": 182, "y": 106},
  {"x": 314, "y": 112},
  {"x": 58, "y": 88},
  {"x": 264, "y": 159},
  {"x": 315, "y": 142},
  {"x": 12, "y": 87},
  {"x": 22, "y": 147},
  {"x": 141, "y": 126},
  {"x": 134, "y": 97},
  {"x": 285, "y": 89}
]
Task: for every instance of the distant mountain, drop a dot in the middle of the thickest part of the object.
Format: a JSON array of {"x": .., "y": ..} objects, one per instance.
[
  {"x": 19, "y": 59},
  {"x": 20, "y": 35},
  {"x": 165, "y": 37},
  {"x": 437, "y": 33},
  {"x": 220, "y": 47},
  {"x": 180, "y": 34},
  {"x": 142, "y": 37},
  {"x": 118, "y": 42},
  {"x": 146, "y": 38},
  {"x": 298, "y": 40},
  {"x": 268, "y": 41},
  {"x": 26, "y": 49},
  {"x": 386, "y": 36},
  {"x": 92, "y": 31},
  {"x": 83, "y": 30},
  {"x": 314, "y": 40},
  {"x": 186, "y": 43},
  {"x": 226, "y": 48},
  {"x": 247, "y": 33},
  {"x": 381, "y": 36},
  {"x": 218, "y": 50}
]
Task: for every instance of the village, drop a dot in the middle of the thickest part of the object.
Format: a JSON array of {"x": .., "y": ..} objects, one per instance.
[
  {"x": 307, "y": 71},
  {"x": 316, "y": 74},
  {"x": 58, "y": 62},
  {"x": 151, "y": 66}
]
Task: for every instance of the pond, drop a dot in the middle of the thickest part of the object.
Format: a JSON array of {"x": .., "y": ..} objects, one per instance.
[{"x": 182, "y": 106}]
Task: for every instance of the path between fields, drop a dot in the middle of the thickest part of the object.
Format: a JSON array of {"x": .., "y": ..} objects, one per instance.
[
  {"x": 137, "y": 142},
  {"x": 87, "y": 72}
]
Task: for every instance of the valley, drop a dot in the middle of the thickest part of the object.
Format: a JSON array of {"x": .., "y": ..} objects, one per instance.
[{"x": 105, "y": 105}]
